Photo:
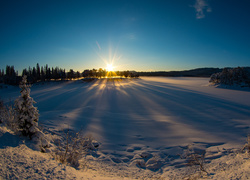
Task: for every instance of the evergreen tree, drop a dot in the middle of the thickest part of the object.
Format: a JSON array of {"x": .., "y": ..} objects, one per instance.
[
  {"x": 2, "y": 72},
  {"x": 78, "y": 75},
  {"x": 52, "y": 73},
  {"x": 34, "y": 75},
  {"x": 25, "y": 72},
  {"x": 49, "y": 74},
  {"x": 27, "y": 114},
  {"x": 42, "y": 74},
  {"x": 38, "y": 72},
  {"x": 63, "y": 74},
  {"x": 71, "y": 74},
  {"x": 12, "y": 71},
  {"x": 47, "y": 71},
  {"x": 7, "y": 71},
  {"x": 30, "y": 71}
]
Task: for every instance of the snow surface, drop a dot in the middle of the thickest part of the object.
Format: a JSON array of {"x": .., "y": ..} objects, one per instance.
[{"x": 145, "y": 125}]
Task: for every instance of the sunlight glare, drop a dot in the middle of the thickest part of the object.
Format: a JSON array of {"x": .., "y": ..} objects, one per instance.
[{"x": 110, "y": 67}]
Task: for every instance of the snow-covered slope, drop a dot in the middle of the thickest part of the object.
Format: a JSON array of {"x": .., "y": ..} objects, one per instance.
[{"x": 145, "y": 125}]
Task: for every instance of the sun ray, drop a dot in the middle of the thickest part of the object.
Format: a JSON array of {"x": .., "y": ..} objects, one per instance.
[
  {"x": 110, "y": 60},
  {"x": 110, "y": 67}
]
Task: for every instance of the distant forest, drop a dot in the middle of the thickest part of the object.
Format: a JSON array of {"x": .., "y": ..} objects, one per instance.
[
  {"x": 199, "y": 72},
  {"x": 46, "y": 73}
]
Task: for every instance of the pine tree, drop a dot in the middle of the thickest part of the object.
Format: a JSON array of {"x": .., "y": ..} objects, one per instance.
[
  {"x": 38, "y": 73},
  {"x": 42, "y": 74},
  {"x": 27, "y": 114}
]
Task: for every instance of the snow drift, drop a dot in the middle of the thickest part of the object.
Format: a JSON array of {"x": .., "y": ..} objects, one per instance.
[{"x": 146, "y": 125}]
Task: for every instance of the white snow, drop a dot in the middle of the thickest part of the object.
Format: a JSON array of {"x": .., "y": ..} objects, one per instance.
[{"x": 144, "y": 126}]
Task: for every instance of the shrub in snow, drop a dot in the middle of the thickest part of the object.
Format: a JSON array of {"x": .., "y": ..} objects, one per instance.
[
  {"x": 2, "y": 109},
  {"x": 247, "y": 145},
  {"x": 195, "y": 158},
  {"x": 9, "y": 118},
  {"x": 72, "y": 147},
  {"x": 27, "y": 114},
  {"x": 236, "y": 76},
  {"x": 42, "y": 140}
]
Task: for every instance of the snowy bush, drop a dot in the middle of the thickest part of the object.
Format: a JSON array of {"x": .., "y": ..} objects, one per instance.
[
  {"x": 195, "y": 159},
  {"x": 247, "y": 145},
  {"x": 2, "y": 109},
  {"x": 236, "y": 76},
  {"x": 8, "y": 116},
  {"x": 72, "y": 147},
  {"x": 27, "y": 114}
]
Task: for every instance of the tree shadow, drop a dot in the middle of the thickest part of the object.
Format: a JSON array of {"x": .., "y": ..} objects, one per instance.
[
  {"x": 161, "y": 113},
  {"x": 8, "y": 139}
]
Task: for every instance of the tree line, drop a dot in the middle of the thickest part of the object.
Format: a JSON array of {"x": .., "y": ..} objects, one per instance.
[
  {"x": 46, "y": 73},
  {"x": 239, "y": 76}
]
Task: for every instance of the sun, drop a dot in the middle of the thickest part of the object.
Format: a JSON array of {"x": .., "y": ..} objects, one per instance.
[{"x": 110, "y": 67}]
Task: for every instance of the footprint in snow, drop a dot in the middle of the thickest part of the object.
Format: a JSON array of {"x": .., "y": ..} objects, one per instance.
[{"x": 132, "y": 149}]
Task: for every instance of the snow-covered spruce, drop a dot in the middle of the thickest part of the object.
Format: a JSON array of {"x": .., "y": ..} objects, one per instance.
[
  {"x": 27, "y": 114},
  {"x": 239, "y": 76}
]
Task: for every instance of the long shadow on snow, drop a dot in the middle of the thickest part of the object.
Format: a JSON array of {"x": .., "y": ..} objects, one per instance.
[
  {"x": 161, "y": 114},
  {"x": 192, "y": 108}
]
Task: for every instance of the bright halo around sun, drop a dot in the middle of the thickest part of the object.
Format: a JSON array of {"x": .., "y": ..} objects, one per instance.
[{"x": 110, "y": 67}]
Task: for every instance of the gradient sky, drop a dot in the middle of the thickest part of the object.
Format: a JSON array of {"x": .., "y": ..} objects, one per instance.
[{"x": 139, "y": 35}]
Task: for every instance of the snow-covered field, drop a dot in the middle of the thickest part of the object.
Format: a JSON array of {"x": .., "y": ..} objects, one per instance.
[{"x": 146, "y": 125}]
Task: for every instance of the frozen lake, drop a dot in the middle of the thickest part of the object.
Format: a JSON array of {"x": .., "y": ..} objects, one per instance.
[
  {"x": 151, "y": 111},
  {"x": 149, "y": 123}
]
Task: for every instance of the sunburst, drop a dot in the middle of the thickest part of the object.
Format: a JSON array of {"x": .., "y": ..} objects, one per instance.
[{"x": 110, "y": 67}]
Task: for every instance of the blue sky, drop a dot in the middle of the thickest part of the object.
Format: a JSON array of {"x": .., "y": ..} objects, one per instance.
[{"x": 137, "y": 35}]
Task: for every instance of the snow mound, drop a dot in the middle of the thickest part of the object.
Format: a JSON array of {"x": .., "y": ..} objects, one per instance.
[{"x": 19, "y": 161}]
